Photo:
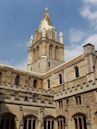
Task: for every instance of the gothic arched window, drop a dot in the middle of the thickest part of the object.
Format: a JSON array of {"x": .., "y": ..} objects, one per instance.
[
  {"x": 80, "y": 121},
  {"x": 7, "y": 121},
  {"x": 51, "y": 50},
  {"x": 49, "y": 122},
  {"x": 76, "y": 71},
  {"x": 34, "y": 53},
  {"x": 60, "y": 79},
  {"x": 61, "y": 122},
  {"x": 29, "y": 122},
  {"x": 48, "y": 83},
  {"x": 17, "y": 80}
]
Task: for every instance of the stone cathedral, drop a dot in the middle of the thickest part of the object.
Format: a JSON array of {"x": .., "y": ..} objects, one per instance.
[{"x": 50, "y": 93}]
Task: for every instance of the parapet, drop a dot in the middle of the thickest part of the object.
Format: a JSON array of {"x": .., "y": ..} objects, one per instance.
[{"x": 89, "y": 49}]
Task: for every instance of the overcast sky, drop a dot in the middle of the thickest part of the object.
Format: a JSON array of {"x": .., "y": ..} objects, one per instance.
[{"x": 77, "y": 19}]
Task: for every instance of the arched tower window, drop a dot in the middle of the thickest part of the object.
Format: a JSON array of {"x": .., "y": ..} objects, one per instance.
[
  {"x": 34, "y": 54},
  {"x": 56, "y": 52},
  {"x": 60, "y": 79},
  {"x": 0, "y": 76},
  {"x": 76, "y": 71},
  {"x": 30, "y": 122},
  {"x": 53, "y": 34},
  {"x": 61, "y": 122},
  {"x": 48, "y": 83},
  {"x": 17, "y": 80},
  {"x": 80, "y": 121},
  {"x": 51, "y": 50},
  {"x": 49, "y": 122},
  {"x": 37, "y": 51},
  {"x": 7, "y": 121},
  {"x": 34, "y": 83}
]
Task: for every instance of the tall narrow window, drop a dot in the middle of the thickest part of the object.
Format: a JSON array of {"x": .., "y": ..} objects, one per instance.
[
  {"x": 51, "y": 50},
  {"x": 60, "y": 78},
  {"x": 80, "y": 121},
  {"x": 37, "y": 52},
  {"x": 60, "y": 104},
  {"x": 34, "y": 83},
  {"x": 0, "y": 77},
  {"x": 76, "y": 71},
  {"x": 48, "y": 83},
  {"x": 78, "y": 100},
  {"x": 56, "y": 52},
  {"x": 17, "y": 80},
  {"x": 49, "y": 64}
]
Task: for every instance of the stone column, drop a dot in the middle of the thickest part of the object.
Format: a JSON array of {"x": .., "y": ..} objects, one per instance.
[
  {"x": 55, "y": 124},
  {"x": 41, "y": 118},
  {"x": 50, "y": 124},
  {"x": 63, "y": 124},
  {"x": 59, "y": 124},
  {"x": 78, "y": 125},
  {"x": 82, "y": 122},
  {"x": 46, "y": 124},
  {"x": 32, "y": 123}
]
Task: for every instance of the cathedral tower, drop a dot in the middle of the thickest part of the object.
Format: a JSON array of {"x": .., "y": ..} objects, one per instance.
[{"x": 46, "y": 50}]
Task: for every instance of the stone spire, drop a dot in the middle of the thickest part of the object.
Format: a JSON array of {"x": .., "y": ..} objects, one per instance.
[
  {"x": 47, "y": 17},
  {"x": 46, "y": 21}
]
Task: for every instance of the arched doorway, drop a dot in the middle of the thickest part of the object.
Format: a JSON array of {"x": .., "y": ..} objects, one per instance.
[
  {"x": 7, "y": 121},
  {"x": 29, "y": 122},
  {"x": 80, "y": 121}
]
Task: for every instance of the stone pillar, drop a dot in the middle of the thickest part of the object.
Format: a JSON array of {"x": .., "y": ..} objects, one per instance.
[
  {"x": 16, "y": 123},
  {"x": 50, "y": 124},
  {"x": 78, "y": 125},
  {"x": 41, "y": 118},
  {"x": 21, "y": 114},
  {"x": 46, "y": 124},
  {"x": 59, "y": 126},
  {"x": 43, "y": 48},
  {"x": 63, "y": 124},
  {"x": 55, "y": 124}
]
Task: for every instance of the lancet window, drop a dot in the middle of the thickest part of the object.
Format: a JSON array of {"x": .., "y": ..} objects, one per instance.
[
  {"x": 29, "y": 122},
  {"x": 80, "y": 121}
]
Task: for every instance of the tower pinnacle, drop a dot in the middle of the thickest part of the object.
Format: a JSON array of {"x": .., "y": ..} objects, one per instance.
[{"x": 47, "y": 16}]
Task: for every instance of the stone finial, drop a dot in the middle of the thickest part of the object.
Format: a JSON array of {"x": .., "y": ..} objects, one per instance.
[
  {"x": 47, "y": 17},
  {"x": 61, "y": 38},
  {"x": 31, "y": 39}
]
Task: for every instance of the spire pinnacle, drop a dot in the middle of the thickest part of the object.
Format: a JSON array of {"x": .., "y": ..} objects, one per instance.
[{"x": 47, "y": 16}]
